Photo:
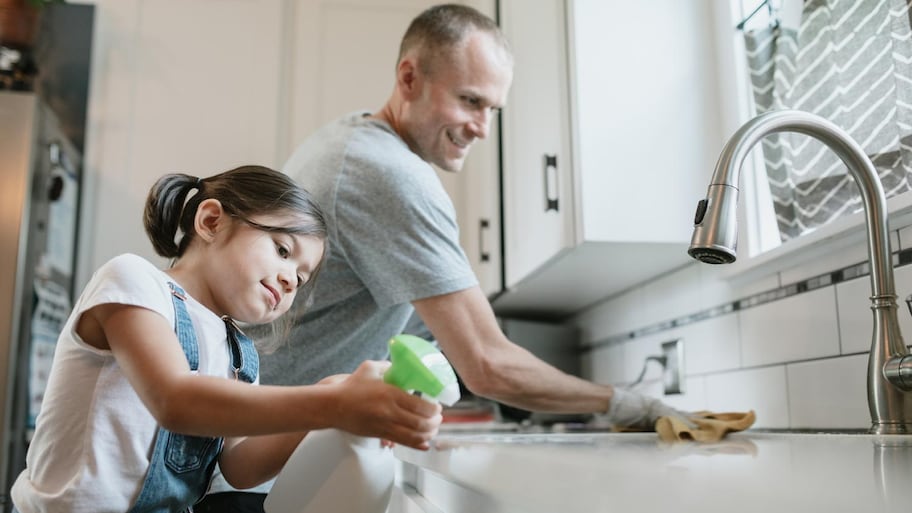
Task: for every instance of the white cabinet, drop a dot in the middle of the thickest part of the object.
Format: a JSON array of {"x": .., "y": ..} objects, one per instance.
[
  {"x": 538, "y": 195},
  {"x": 610, "y": 133},
  {"x": 476, "y": 194}
]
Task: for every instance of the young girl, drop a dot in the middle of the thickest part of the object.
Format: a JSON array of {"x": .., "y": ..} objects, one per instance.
[{"x": 151, "y": 371}]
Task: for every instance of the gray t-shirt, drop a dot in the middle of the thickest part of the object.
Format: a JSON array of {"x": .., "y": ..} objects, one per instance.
[{"x": 393, "y": 239}]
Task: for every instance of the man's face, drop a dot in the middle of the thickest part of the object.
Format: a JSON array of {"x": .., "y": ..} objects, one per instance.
[{"x": 453, "y": 106}]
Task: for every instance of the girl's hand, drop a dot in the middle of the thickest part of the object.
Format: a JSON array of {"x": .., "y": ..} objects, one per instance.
[{"x": 369, "y": 407}]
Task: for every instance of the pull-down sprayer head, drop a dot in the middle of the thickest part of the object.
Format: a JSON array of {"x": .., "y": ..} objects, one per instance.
[{"x": 715, "y": 235}]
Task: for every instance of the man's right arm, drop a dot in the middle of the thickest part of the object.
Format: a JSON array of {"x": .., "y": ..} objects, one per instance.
[{"x": 492, "y": 366}]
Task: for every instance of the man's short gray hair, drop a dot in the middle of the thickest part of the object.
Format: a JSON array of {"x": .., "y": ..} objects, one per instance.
[{"x": 441, "y": 28}]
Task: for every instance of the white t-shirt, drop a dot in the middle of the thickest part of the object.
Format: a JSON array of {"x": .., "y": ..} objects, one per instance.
[{"x": 94, "y": 436}]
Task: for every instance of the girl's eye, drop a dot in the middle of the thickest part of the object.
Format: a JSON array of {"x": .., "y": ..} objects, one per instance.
[
  {"x": 283, "y": 251},
  {"x": 301, "y": 280}
]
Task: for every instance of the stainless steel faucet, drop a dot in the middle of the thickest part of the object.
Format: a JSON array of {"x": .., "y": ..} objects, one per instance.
[{"x": 715, "y": 239}]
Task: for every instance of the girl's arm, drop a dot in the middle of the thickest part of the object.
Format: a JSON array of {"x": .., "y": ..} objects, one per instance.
[
  {"x": 249, "y": 461},
  {"x": 147, "y": 350}
]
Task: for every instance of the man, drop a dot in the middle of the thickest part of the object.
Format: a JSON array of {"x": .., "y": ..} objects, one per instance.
[{"x": 394, "y": 238}]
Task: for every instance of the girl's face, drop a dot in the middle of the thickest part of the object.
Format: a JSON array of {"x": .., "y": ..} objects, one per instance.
[{"x": 253, "y": 275}]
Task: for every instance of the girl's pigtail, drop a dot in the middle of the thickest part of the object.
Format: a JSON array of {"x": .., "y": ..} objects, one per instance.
[{"x": 165, "y": 210}]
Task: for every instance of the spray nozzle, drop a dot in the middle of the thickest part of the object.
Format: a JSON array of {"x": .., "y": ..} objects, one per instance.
[{"x": 417, "y": 365}]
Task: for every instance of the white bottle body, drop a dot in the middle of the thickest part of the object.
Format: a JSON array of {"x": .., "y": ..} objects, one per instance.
[{"x": 333, "y": 471}]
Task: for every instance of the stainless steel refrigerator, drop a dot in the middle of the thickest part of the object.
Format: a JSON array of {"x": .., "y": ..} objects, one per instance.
[{"x": 39, "y": 196}]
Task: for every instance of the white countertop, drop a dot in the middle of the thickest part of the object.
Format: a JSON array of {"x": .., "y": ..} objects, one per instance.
[{"x": 634, "y": 472}]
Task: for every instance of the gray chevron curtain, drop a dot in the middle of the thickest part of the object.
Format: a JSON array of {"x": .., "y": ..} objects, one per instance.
[{"x": 851, "y": 63}]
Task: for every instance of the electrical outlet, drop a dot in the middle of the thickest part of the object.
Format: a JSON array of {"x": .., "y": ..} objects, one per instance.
[{"x": 673, "y": 375}]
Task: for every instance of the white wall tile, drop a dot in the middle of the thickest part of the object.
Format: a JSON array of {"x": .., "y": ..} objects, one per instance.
[
  {"x": 762, "y": 390},
  {"x": 605, "y": 364},
  {"x": 687, "y": 291},
  {"x": 798, "y": 327},
  {"x": 673, "y": 295},
  {"x": 829, "y": 393},
  {"x": 636, "y": 353},
  {"x": 903, "y": 278},
  {"x": 693, "y": 398},
  {"x": 617, "y": 315},
  {"x": 718, "y": 284},
  {"x": 714, "y": 288},
  {"x": 855, "y": 318},
  {"x": 856, "y": 322},
  {"x": 652, "y": 388},
  {"x": 905, "y": 236},
  {"x": 711, "y": 345},
  {"x": 845, "y": 257}
]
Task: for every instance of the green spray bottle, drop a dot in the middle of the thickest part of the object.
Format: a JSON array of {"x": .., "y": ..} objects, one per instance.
[{"x": 333, "y": 471}]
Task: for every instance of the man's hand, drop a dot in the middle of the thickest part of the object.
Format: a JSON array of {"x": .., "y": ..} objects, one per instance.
[{"x": 633, "y": 410}]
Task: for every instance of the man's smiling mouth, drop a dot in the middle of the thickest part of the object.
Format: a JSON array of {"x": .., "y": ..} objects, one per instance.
[{"x": 462, "y": 145}]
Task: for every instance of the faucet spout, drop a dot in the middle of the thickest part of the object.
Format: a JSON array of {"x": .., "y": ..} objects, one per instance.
[{"x": 715, "y": 240}]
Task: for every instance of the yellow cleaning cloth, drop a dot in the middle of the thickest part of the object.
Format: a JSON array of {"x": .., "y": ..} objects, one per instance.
[{"x": 708, "y": 426}]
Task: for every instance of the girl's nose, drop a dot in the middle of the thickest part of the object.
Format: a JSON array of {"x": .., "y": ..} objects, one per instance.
[{"x": 288, "y": 278}]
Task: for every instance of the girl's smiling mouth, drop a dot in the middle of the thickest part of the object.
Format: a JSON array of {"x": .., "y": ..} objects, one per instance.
[{"x": 275, "y": 297}]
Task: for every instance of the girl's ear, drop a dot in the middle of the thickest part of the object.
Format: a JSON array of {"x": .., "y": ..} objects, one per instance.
[{"x": 210, "y": 218}]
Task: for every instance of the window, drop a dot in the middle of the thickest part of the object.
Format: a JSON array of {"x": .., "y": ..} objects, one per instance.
[{"x": 847, "y": 62}]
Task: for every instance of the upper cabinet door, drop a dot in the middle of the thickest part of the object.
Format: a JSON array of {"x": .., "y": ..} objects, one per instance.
[
  {"x": 537, "y": 162},
  {"x": 647, "y": 116},
  {"x": 610, "y": 132}
]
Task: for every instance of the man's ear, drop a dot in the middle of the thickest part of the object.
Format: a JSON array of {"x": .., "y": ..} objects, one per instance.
[
  {"x": 210, "y": 219},
  {"x": 408, "y": 78}
]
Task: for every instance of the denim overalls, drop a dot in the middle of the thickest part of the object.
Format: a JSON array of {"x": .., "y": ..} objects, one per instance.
[{"x": 181, "y": 465}]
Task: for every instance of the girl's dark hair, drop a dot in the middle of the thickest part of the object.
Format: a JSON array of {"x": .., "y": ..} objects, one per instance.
[{"x": 244, "y": 192}]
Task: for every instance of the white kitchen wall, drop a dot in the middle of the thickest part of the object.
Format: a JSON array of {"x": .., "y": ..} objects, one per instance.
[
  {"x": 799, "y": 361},
  {"x": 175, "y": 86}
]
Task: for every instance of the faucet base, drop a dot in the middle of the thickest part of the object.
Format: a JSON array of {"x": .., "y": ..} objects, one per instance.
[{"x": 891, "y": 428}]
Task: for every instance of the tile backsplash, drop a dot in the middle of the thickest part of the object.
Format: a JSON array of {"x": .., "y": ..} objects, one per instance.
[{"x": 793, "y": 346}]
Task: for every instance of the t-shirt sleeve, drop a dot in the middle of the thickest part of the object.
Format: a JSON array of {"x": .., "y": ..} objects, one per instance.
[
  {"x": 130, "y": 280},
  {"x": 398, "y": 230}
]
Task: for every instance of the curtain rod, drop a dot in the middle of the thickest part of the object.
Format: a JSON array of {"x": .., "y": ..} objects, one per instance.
[{"x": 769, "y": 6}]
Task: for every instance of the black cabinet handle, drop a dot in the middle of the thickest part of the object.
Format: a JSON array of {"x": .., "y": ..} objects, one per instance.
[
  {"x": 483, "y": 255},
  {"x": 551, "y": 181}
]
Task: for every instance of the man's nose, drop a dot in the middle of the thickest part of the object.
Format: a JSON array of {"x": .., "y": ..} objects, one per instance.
[{"x": 480, "y": 127}]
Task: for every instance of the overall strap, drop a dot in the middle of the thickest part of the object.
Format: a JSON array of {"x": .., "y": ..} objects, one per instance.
[
  {"x": 183, "y": 326},
  {"x": 244, "y": 359}
]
